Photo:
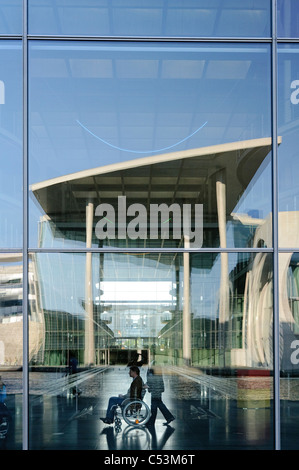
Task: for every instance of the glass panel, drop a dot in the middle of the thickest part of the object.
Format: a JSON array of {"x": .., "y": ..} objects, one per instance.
[
  {"x": 203, "y": 321},
  {"x": 288, "y": 128},
  {"x": 11, "y": 144},
  {"x": 157, "y": 124},
  {"x": 178, "y": 18},
  {"x": 289, "y": 329},
  {"x": 287, "y": 18},
  {"x": 11, "y": 12},
  {"x": 11, "y": 351}
]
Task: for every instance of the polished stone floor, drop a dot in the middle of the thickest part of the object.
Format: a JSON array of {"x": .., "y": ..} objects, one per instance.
[{"x": 205, "y": 419}]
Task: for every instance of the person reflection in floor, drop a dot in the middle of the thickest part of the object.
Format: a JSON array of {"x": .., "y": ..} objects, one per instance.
[
  {"x": 159, "y": 443},
  {"x": 4, "y": 413},
  {"x": 137, "y": 438},
  {"x": 155, "y": 386}
]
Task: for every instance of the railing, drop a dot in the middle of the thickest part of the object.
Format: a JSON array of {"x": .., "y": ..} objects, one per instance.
[{"x": 65, "y": 383}]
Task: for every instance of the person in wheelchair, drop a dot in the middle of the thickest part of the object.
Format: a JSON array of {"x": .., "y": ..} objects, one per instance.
[{"x": 135, "y": 391}]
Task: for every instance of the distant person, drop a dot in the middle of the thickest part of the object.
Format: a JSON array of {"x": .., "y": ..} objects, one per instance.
[
  {"x": 135, "y": 361},
  {"x": 4, "y": 413},
  {"x": 135, "y": 391},
  {"x": 155, "y": 385},
  {"x": 73, "y": 369},
  {"x": 2, "y": 391}
]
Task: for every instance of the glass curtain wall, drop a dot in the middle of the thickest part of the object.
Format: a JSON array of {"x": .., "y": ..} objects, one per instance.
[
  {"x": 11, "y": 231},
  {"x": 212, "y": 344},
  {"x": 152, "y": 145},
  {"x": 149, "y": 214},
  {"x": 288, "y": 216}
]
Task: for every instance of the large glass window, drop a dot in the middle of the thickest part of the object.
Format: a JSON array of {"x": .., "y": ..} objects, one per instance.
[
  {"x": 287, "y": 18},
  {"x": 11, "y": 17},
  {"x": 150, "y": 223},
  {"x": 11, "y": 350},
  {"x": 289, "y": 345},
  {"x": 288, "y": 128},
  {"x": 204, "y": 319},
  {"x": 153, "y": 18},
  {"x": 288, "y": 68},
  {"x": 11, "y": 227},
  {"x": 156, "y": 124}
]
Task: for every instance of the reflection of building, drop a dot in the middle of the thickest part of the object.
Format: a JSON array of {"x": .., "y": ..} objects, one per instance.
[
  {"x": 126, "y": 315},
  {"x": 11, "y": 312},
  {"x": 64, "y": 335},
  {"x": 259, "y": 329},
  {"x": 215, "y": 177}
]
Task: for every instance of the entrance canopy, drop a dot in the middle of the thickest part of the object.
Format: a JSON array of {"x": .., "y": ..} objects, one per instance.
[{"x": 215, "y": 176}]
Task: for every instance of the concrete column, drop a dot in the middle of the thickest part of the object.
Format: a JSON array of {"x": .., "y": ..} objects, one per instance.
[
  {"x": 186, "y": 307},
  {"x": 89, "y": 355},
  {"x": 224, "y": 284}
]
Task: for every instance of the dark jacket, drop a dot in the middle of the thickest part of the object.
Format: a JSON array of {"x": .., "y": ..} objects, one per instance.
[
  {"x": 155, "y": 384},
  {"x": 136, "y": 388}
]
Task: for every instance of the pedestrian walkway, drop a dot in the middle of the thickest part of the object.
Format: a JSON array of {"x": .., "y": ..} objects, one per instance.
[{"x": 205, "y": 418}]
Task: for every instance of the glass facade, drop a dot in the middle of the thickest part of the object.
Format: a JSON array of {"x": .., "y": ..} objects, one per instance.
[
  {"x": 151, "y": 18},
  {"x": 11, "y": 144},
  {"x": 156, "y": 104},
  {"x": 149, "y": 215}
]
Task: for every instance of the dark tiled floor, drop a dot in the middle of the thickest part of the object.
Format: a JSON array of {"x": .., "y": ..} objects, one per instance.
[{"x": 203, "y": 420}]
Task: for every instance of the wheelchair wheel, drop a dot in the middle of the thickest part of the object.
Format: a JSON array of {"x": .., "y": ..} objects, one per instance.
[
  {"x": 136, "y": 413},
  {"x": 117, "y": 422}
]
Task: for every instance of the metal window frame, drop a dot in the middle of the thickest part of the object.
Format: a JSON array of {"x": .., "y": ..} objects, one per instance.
[
  {"x": 25, "y": 369},
  {"x": 274, "y": 250},
  {"x": 276, "y": 362}
]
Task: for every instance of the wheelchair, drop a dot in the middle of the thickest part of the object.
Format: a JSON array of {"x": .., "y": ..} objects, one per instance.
[{"x": 134, "y": 412}]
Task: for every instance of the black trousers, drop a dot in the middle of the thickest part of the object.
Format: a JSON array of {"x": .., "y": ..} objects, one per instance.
[{"x": 157, "y": 403}]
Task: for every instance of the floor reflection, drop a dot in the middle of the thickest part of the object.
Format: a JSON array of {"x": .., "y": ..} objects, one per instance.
[
  {"x": 160, "y": 441},
  {"x": 131, "y": 438},
  {"x": 203, "y": 419}
]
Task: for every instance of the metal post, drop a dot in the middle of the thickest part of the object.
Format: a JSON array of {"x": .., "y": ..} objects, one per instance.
[
  {"x": 276, "y": 361},
  {"x": 187, "y": 348},
  {"x": 89, "y": 358},
  {"x": 25, "y": 415}
]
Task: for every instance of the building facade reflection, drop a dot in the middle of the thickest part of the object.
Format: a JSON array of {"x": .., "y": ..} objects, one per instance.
[
  {"x": 134, "y": 321},
  {"x": 149, "y": 214},
  {"x": 11, "y": 312}
]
